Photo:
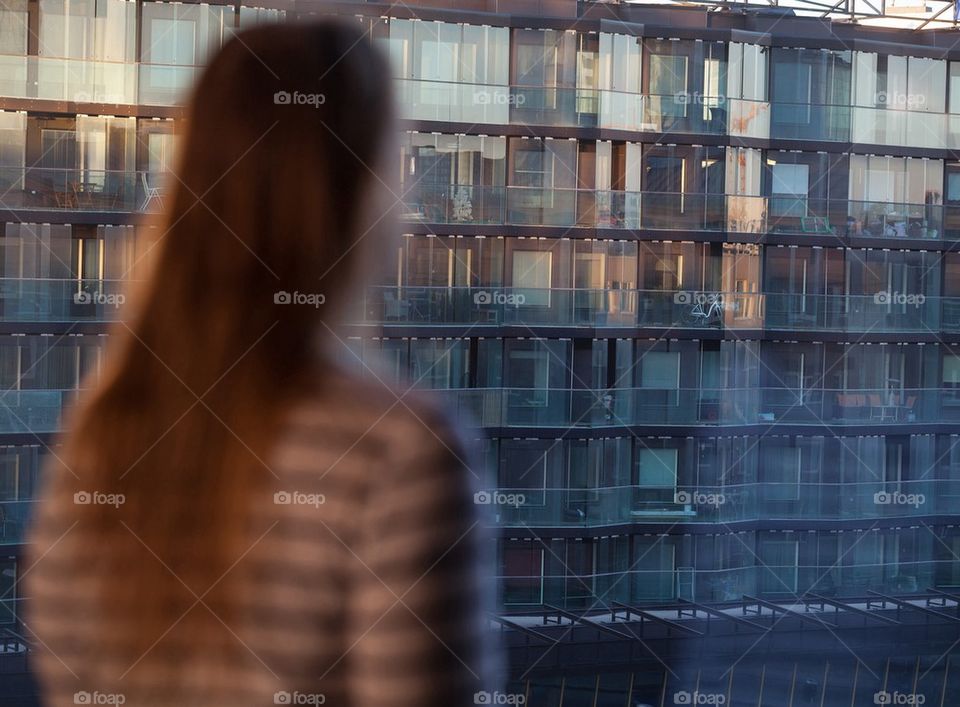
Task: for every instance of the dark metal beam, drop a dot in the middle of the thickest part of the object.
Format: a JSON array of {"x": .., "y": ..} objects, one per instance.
[
  {"x": 853, "y": 609},
  {"x": 695, "y": 607},
  {"x": 587, "y": 621},
  {"x": 520, "y": 627},
  {"x": 628, "y": 610},
  {"x": 790, "y": 612},
  {"x": 907, "y": 605},
  {"x": 945, "y": 595}
]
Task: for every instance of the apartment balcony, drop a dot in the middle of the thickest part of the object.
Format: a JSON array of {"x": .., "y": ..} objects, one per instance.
[
  {"x": 15, "y": 517},
  {"x": 683, "y": 113},
  {"x": 91, "y": 81},
  {"x": 50, "y": 300},
  {"x": 700, "y": 407},
  {"x": 635, "y": 584},
  {"x": 115, "y": 191},
  {"x": 60, "y": 300},
  {"x": 32, "y": 411},
  {"x": 464, "y": 204},
  {"x": 70, "y": 189},
  {"x": 727, "y": 503},
  {"x": 39, "y": 411},
  {"x": 891, "y": 312}
]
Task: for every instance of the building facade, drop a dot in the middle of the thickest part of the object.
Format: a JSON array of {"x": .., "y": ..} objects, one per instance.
[{"x": 692, "y": 274}]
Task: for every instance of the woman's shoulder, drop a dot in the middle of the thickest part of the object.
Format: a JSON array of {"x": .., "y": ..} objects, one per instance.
[{"x": 375, "y": 418}]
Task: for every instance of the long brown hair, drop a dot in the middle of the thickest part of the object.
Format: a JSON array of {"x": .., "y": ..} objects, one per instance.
[{"x": 284, "y": 134}]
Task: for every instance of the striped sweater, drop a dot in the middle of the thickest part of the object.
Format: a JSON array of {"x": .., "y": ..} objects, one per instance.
[{"x": 366, "y": 588}]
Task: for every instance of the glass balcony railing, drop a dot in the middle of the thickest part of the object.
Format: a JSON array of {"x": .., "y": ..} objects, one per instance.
[
  {"x": 42, "y": 300},
  {"x": 498, "y": 306},
  {"x": 140, "y": 191},
  {"x": 60, "y": 300},
  {"x": 130, "y": 83},
  {"x": 93, "y": 81},
  {"x": 32, "y": 411},
  {"x": 788, "y": 214},
  {"x": 652, "y": 407},
  {"x": 79, "y": 189},
  {"x": 683, "y": 112},
  {"x": 766, "y": 500},
  {"x": 14, "y": 519},
  {"x": 39, "y": 410},
  {"x": 633, "y": 584}
]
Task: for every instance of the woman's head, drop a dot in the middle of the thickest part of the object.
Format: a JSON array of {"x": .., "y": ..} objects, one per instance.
[{"x": 272, "y": 193}]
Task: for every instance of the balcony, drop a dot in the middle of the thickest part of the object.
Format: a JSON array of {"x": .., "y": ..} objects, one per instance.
[
  {"x": 32, "y": 411},
  {"x": 765, "y": 500},
  {"x": 23, "y": 300},
  {"x": 638, "y": 585},
  {"x": 92, "y": 81},
  {"x": 464, "y": 204},
  {"x": 60, "y": 300},
  {"x": 564, "y": 307},
  {"x": 683, "y": 113},
  {"x": 14, "y": 520},
  {"x": 700, "y": 407},
  {"x": 73, "y": 189},
  {"x": 132, "y": 83},
  {"x": 44, "y": 188}
]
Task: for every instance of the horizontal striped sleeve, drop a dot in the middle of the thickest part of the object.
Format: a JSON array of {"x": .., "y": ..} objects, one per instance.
[{"x": 415, "y": 609}]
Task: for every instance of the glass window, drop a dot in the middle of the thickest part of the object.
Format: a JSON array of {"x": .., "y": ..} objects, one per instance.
[
  {"x": 748, "y": 71},
  {"x": 658, "y": 468},
  {"x": 439, "y": 363},
  {"x": 177, "y": 34},
  {"x": 544, "y": 58},
  {"x": 951, "y": 371},
  {"x": 660, "y": 369},
  {"x": 521, "y": 568},
  {"x": 88, "y": 29},
  {"x": 779, "y": 558},
  {"x": 13, "y": 27},
  {"x": 256, "y": 16},
  {"x": 781, "y": 472},
  {"x": 532, "y": 269},
  {"x": 13, "y": 137},
  {"x": 668, "y": 83},
  {"x": 954, "y": 87},
  {"x": 8, "y": 589},
  {"x": 926, "y": 84},
  {"x": 789, "y": 189},
  {"x": 619, "y": 68}
]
